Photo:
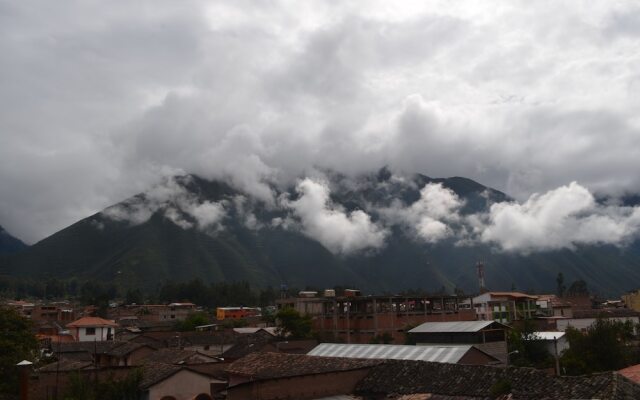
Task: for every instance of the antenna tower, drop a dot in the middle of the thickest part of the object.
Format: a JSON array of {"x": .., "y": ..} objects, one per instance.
[{"x": 480, "y": 268}]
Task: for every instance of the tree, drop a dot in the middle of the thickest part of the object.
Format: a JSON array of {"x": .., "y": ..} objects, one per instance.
[
  {"x": 134, "y": 296},
  {"x": 560, "y": 285},
  {"x": 17, "y": 343},
  {"x": 293, "y": 325},
  {"x": 193, "y": 320},
  {"x": 578, "y": 288},
  {"x": 605, "y": 346},
  {"x": 531, "y": 352}
]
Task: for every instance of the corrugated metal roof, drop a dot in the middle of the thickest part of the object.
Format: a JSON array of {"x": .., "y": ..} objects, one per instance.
[
  {"x": 457, "y": 326},
  {"x": 444, "y": 354}
]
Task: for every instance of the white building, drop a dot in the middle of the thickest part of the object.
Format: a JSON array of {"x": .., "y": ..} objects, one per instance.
[{"x": 90, "y": 329}]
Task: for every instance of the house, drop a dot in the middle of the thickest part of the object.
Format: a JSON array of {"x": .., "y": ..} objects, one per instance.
[
  {"x": 550, "y": 305},
  {"x": 90, "y": 329},
  {"x": 395, "y": 378},
  {"x": 632, "y": 373},
  {"x": 456, "y": 354},
  {"x": 266, "y": 376},
  {"x": 223, "y": 313},
  {"x": 105, "y": 353},
  {"x": 174, "y": 382},
  {"x": 505, "y": 307},
  {"x": 488, "y": 336}
]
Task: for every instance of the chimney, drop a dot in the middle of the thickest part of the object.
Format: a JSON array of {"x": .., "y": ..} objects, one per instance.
[{"x": 24, "y": 369}]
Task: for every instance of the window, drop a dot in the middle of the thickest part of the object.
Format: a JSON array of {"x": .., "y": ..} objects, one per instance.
[{"x": 90, "y": 331}]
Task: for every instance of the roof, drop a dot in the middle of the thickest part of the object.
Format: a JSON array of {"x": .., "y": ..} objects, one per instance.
[
  {"x": 631, "y": 373},
  {"x": 449, "y": 327},
  {"x": 443, "y": 354},
  {"x": 410, "y": 377},
  {"x": 65, "y": 365},
  {"x": 176, "y": 356},
  {"x": 517, "y": 295},
  {"x": 153, "y": 373},
  {"x": 123, "y": 349},
  {"x": 281, "y": 365},
  {"x": 243, "y": 331},
  {"x": 605, "y": 313},
  {"x": 91, "y": 322}
]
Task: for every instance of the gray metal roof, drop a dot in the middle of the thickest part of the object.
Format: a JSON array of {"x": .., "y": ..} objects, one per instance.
[
  {"x": 448, "y": 327},
  {"x": 435, "y": 353}
]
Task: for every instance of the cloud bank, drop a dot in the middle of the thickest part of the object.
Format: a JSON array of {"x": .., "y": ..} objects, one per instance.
[{"x": 100, "y": 100}]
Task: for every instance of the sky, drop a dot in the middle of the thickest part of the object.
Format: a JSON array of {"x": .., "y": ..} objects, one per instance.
[{"x": 99, "y": 100}]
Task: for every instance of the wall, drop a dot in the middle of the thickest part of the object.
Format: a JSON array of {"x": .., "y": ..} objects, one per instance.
[
  {"x": 299, "y": 387},
  {"x": 476, "y": 357},
  {"x": 101, "y": 334},
  {"x": 184, "y": 385},
  {"x": 584, "y": 323}
]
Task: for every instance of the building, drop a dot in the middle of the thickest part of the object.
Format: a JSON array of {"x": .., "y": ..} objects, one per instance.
[
  {"x": 555, "y": 342},
  {"x": 456, "y": 354},
  {"x": 90, "y": 329},
  {"x": 267, "y": 376},
  {"x": 154, "y": 312},
  {"x": 174, "y": 382},
  {"x": 550, "y": 305},
  {"x": 488, "y": 336},
  {"x": 632, "y": 300},
  {"x": 223, "y": 313},
  {"x": 505, "y": 307},
  {"x": 360, "y": 319},
  {"x": 583, "y": 319}
]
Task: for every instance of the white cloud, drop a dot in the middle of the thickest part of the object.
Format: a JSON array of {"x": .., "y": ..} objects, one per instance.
[
  {"x": 561, "y": 218},
  {"x": 430, "y": 216},
  {"x": 338, "y": 230}
]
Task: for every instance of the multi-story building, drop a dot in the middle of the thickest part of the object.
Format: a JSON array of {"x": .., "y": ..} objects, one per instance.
[
  {"x": 505, "y": 307},
  {"x": 632, "y": 300},
  {"x": 360, "y": 319},
  {"x": 90, "y": 329}
]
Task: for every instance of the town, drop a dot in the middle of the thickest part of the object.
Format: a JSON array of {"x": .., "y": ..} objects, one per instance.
[{"x": 331, "y": 344}]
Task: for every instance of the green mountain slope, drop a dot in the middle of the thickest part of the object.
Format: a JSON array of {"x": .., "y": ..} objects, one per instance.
[{"x": 10, "y": 244}]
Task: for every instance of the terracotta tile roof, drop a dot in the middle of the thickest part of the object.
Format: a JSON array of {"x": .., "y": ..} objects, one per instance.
[
  {"x": 153, "y": 373},
  {"x": 65, "y": 366},
  {"x": 517, "y": 295},
  {"x": 123, "y": 348},
  {"x": 631, "y": 373},
  {"x": 280, "y": 365},
  {"x": 90, "y": 322},
  {"x": 410, "y": 377},
  {"x": 176, "y": 356}
]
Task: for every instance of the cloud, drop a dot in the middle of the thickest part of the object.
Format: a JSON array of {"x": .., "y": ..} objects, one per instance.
[
  {"x": 431, "y": 216},
  {"x": 100, "y": 100},
  {"x": 561, "y": 218},
  {"x": 176, "y": 204},
  {"x": 338, "y": 230}
]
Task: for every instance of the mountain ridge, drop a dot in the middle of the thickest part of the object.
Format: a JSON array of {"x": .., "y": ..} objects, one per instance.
[{"x": 170, "y": 246}]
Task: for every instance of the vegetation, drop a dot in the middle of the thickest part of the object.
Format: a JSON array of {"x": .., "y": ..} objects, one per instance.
[
  {"x": 384, "y": 338},
  {"x": 605, "y": 346},
  {"x": 293, "y": 325},
  {"x": 526, "y": 350},
  {"x": 17, "y": 343},
  {"x": 192, "y": 321}
]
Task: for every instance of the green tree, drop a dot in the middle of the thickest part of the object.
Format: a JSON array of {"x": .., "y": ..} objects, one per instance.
[
  {"x": 605, "y": 346},
  {"x": 193, "y": 320},
  {"x": 17, "y": 343},
  {"x": 293, "y": 325},
  {"x": 531, "y": 352},
  {"x": 560, "y": 285},
  {"x": 578, "y": 288}
]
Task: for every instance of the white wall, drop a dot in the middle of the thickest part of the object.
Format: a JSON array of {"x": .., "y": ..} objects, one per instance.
[
  {"x": 584, "y": 323},
  {"x": 101, "y": 334}
]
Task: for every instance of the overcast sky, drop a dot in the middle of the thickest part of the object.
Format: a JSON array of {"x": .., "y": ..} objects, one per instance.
[{"x": 98, "y": 99}]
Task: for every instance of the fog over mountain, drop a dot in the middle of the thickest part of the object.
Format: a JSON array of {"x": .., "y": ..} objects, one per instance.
[{"x": 538, "y": 100}]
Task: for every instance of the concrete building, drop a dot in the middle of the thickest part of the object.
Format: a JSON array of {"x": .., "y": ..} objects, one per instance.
[
  {"x": 90, "y": 329},
  {"x": 505, "y": 307},
  {"x": 359, "y": 319},
  {"x": 488, "y": 336},
  {"x": 583, "y": 319}
]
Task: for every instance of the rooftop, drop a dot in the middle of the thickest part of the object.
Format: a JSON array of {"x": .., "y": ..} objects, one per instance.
[
  {"x": 411, "y": 377},
  {"x": 281, "y": 365},
  {"x": 91, "y": 322},
  {"x": 631, "y": 373},
  {"x": 442, "y": 354},
  {"x": 453, "y": 327}
]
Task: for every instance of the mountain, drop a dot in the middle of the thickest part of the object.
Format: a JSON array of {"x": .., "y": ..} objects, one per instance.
[
  {"x": 165, "y": 235},
  {"x": 10, "y": 244}
]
